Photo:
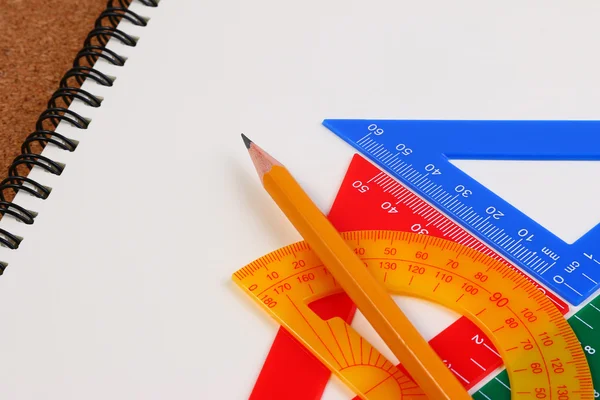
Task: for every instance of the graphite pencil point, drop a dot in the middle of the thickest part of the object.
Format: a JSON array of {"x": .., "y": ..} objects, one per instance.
[{"x": 247, "y": 141}]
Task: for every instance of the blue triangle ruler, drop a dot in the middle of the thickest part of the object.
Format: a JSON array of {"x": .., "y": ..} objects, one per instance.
[{"x": 417, "y": 153}]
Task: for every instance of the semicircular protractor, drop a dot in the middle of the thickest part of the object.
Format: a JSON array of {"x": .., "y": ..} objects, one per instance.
[{"x": 540, "y": 351}]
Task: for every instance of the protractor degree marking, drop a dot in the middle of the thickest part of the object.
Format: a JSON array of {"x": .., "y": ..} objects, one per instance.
[{"x": 532, "y": 360}]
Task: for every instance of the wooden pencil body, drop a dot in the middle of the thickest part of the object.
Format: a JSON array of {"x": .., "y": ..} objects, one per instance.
[{"x": 370, "y": 297}]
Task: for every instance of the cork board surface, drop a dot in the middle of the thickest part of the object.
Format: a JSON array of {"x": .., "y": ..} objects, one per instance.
[{"x": 38, "y": 41}]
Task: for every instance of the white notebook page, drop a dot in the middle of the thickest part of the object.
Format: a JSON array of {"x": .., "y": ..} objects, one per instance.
[{"x": 122, "y": 288}]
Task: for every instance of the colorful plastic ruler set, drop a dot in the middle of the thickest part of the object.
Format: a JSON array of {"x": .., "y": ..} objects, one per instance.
[
  {"x": 417, "y": 153},
  {"x": 375, "y": 201},
  {"x": 463, "y": 348},
  {"x": 539, "y": 349}
]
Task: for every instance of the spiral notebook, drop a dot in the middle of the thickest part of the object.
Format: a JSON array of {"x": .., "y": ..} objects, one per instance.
[{"x": 120, "y": 244}]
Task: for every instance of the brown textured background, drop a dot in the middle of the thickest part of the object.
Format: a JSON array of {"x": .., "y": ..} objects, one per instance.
[{"x": 38, "y": 41}]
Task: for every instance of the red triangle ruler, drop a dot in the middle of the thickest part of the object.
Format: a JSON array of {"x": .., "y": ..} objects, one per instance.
[{"x": 370, "y": 199}]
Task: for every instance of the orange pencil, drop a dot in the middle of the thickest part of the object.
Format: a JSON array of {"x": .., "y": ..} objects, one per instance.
[{"x": 378, "y": 307}]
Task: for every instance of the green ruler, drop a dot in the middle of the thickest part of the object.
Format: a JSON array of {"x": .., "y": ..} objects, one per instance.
[{"x": 586, "y": 325}]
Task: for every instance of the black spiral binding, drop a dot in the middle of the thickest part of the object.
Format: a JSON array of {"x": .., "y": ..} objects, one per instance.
[{"x": 94, "y": 48}]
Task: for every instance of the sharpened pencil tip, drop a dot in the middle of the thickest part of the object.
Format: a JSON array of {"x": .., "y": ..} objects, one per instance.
[
  {"x": 247, "y": 141},
  {"x": 262, "y": 161}
]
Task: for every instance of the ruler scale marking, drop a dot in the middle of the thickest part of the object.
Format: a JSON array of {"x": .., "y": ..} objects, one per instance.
[
  {"x": 423, "y": 183},
  {"x": 434, "y": 143},
  {"x": 484, "y": 226},
  {"x": 489, "y": 229}
]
